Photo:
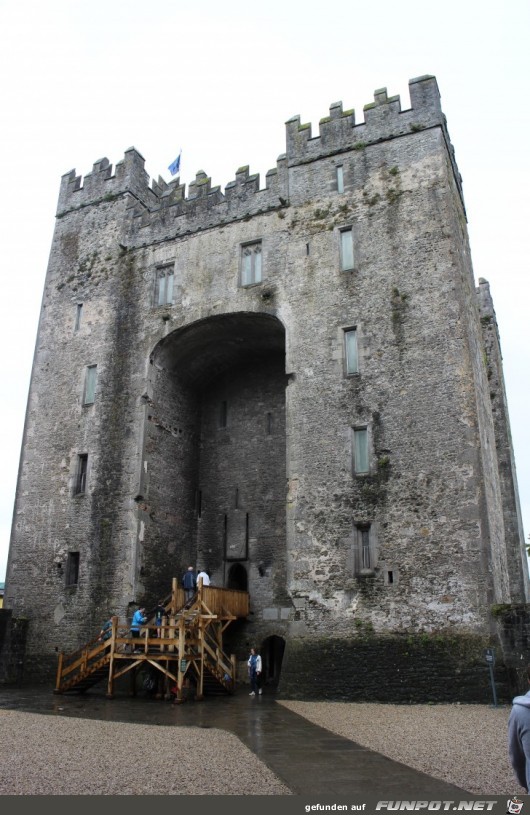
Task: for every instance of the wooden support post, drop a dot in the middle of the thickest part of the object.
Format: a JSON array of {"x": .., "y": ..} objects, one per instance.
[
  {"x": 181, "y": 658},
  {"x": 110, "y": 682},
  {"x": 59, "y": 673},
  {"x": 172, "y": 623},
  {"x": 174, "y": 587},
  {"x": 200, "y": 636}
]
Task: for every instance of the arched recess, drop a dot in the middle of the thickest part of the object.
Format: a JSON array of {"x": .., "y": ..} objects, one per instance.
[
  {"x": 214, "y": 453},
  {"x": 237, "y": 577},
  {"x": 271, "y": 652}
]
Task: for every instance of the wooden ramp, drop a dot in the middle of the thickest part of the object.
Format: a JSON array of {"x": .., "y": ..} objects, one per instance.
[{"x": 190, "y": 647}]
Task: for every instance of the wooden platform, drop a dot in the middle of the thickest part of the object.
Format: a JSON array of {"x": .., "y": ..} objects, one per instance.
[{"x": 190, "y": 646}]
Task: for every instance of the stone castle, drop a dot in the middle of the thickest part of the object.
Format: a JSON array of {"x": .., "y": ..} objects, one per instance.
[{"x": 297, "y": 387}]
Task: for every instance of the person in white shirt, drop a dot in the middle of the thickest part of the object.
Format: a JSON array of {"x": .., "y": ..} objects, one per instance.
[
  {"x": 203, "y": 578},
  {"x": 254, "y": 672}
]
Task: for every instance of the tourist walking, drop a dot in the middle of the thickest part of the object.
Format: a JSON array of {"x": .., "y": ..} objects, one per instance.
[
  {"x": 189, "y": 582},
  {"x": 254, "y": 672}
]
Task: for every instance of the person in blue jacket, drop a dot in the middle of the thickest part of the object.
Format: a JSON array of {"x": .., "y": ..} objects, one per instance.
[
  {"x": 138, "y": 620},
  {"x": 519, "y": 737}
]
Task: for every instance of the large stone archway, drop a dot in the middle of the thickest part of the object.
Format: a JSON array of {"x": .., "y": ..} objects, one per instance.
[{"x": 215, "y": 455}]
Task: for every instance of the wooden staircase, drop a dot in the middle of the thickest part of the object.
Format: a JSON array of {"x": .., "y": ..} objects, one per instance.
[{"x": 190, "y": 647}]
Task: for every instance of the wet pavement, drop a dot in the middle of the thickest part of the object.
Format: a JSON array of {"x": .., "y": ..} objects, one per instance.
[{"x": 308, "y": 759}]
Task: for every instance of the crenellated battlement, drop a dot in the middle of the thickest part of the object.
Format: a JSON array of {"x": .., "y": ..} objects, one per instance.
[
  {"x": 101, "y": 184},
  {"x": 383, "y": 119},
  {"x": 206, "y": 205}
]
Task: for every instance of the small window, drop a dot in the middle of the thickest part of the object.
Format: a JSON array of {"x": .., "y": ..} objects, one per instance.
[
  {"x": 346, "y": 249},
  {"x": 340, "y": 178},
  {"x": 360, "y": 451},
  {"x": 71, "y": 577},
  {"x": 81, "y": 474},
  {"x": 164, "y": 287},
  {"x": 78, "y": 315},
  {"x": 251, "y": 264},
  {"x": 90, "y": 384},
  {"x": 364, "y": 548},
  {"x": 391, "y": 576},
  {"x": 351, "y": 351}
]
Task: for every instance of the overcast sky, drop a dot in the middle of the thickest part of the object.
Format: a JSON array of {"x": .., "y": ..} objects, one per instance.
[{"x": 83, "y": 80}]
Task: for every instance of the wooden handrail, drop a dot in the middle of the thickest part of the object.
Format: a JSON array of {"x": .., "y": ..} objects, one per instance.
[{"x": 191, "y": 632}]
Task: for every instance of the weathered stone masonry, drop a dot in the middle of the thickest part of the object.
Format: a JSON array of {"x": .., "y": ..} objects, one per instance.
[{"x": 372, "y": 512}]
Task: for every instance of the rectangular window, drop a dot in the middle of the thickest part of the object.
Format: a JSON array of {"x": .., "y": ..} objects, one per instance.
[
  {"x": 351, "y": 351},
  {"x": 223, "y": 414},
  {"x": 365, "y": 550},
  {"x": 164, "y": 287},
  {"x": 78, "y": 314},
  {"x": 90, "y": 384},
  {"x": 81, "y": 474},
  {"x": 340, "y": 178},
  {"x": 366, "y": 557},
  {"x": 71, "y": 577},
  {"x": 251, "y": 264},
  {"x": 360, "y": 450},
  {"x": 346, "y": 249}
]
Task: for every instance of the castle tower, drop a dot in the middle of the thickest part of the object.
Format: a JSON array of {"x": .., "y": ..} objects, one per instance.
[{"x": 285, "y": 385}]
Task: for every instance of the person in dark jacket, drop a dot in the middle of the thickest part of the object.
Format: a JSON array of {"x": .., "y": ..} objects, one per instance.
[
  {"x": 160, "y": 613},
  {"x": 189, "y": 582},
  {"x": 106, "y": 630},
  {"x": 519, "y": 737}
]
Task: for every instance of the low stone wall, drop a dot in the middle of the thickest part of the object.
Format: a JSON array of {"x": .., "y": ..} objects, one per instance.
[{"x": 398, "y": 669}]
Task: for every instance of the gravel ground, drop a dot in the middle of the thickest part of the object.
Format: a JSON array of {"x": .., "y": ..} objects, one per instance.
[
  {"x": 462, "y": 744},
  {"x": 43, "y": 755}
]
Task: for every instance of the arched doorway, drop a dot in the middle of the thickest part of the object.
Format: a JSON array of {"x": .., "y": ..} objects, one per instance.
[
  {"x": 214, "y": 456},
  {"x": 237, "y": 577},
  {"x": 271, "y": 655}
]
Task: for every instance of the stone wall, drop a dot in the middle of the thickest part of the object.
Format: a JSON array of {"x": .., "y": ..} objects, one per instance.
[{"x": 398, "y": 669}]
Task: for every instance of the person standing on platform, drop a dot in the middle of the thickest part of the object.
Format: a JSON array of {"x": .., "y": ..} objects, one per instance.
[
  {"x": 138, "y": 620},
  {"x": 189, "y": 583}
]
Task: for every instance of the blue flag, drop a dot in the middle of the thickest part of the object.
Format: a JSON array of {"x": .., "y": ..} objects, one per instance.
[{"x": 175, "y": 167}]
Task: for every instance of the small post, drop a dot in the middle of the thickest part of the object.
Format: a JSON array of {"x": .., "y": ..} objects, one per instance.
[
  {"x": 174, "y": 587},
  {"x": 59, "y": 673},
  {"x": 489, "y": 656}
]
